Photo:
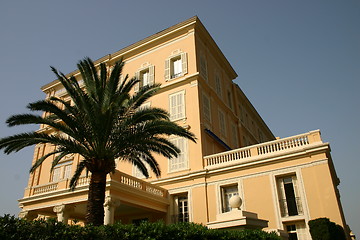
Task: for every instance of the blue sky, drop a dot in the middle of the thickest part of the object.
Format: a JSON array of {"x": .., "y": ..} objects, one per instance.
[{"x": 297, "y": 61}]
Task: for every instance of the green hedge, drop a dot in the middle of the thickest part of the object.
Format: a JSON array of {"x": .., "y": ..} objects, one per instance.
[
  {"x": 324, "y": 229},
  {"x": 14, "y": 228}
]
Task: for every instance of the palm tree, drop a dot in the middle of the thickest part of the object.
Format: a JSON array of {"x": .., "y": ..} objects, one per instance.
[{"x": 104, "y": 123}]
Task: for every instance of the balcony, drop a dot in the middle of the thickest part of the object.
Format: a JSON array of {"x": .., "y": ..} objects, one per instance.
[
  {"x": 118, "y": 178},
  {"x": 264, "y": 150},
  {"x": 124, "y": 195}
]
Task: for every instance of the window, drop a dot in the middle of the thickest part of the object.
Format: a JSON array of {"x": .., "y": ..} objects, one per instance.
[
  {"x": 177, "y": 105},
  {"x": 226, "y": 193},
  {"x": 222, "y": 124},
  {"x": 203, "y": 67},
  {"x": 67, "y": 171},
  {"x": 234, "y": 135},
  {"x": 137, "y": 172},
  {"x": 145, "y": 75},
  {"x": 176, "y": 66},
  {"x": 56, "y": 174},
  {"x": 206, "y": 108},
  {"x": 296, "y": 231},
  {"x": 180, "y": 162},
  {"x": 241, "y": 114},
  {"x": 181, "y": 209},
  {"x": 289, "y": 200},
  {"x": 145, "y": 105},
  {"x": 218, "y": 87},
  {"x": 229, "y": 99},
  {"x": 62, "y": 171}
]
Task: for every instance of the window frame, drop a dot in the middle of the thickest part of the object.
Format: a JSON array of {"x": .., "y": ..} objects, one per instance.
[
  {"x": 146, "y": 68},
  {"x": 225, "y": 205},
  {"x": 283, "y": 198},
  {"x": 61, "y": 171},
  {"x": 169, "y": 65}
]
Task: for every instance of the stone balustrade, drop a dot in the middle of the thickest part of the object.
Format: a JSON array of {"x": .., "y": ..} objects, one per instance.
[
  {"x": 120, "y": 177},
  {"x": 45, "y": 188},
  {"x": 263, "y": 149},
  {"x": 139, "y": 184}
]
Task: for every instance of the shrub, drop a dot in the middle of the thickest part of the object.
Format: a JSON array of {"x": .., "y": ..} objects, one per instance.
[
  {"x": 324, "y": 229},
  {"x": 19, "y": 229}
]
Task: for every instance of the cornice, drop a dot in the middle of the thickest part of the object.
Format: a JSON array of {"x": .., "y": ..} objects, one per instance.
[{"x": 148, "y": 40}]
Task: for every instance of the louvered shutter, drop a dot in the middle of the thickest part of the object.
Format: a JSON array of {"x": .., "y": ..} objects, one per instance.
[
  {"x": 184, "y": 63},
  {"x": 151, "y": 77},
  {"x": 180, "y": 162},
  {"x": 180, "y": 105},
  {"x": 167, "y": 69},
  {"x": 282, "y": 197},
  {"x": 137, "y": 85}
]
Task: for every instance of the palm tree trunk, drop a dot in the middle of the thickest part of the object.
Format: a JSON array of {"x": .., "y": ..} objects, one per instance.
[{"x": 96, "y": 198}]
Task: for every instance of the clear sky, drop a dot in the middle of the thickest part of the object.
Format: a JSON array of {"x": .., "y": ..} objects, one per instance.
[{"x": 298, "y": 62}]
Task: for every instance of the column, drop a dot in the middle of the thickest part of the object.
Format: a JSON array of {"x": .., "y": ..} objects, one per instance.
[
  {"x": 62, "y": 214},
  {"x": 109, "y": 208},
  {"x": 24, "y": 214},
  {"x": 27, "y": 215}
]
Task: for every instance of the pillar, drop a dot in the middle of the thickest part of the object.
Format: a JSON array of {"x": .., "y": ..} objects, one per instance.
[
  {"x": 62, "y": 213},
  {"x": 27, "y": 215},
  {"x": 109, "y": 209}
]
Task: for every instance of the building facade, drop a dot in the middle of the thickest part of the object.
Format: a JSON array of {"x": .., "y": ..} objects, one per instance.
[{"x": 283, "y": 183}]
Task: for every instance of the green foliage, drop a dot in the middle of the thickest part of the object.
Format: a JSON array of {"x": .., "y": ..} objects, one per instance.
[
  {"x": 324, "y": 229},
  {"x": 19, "y": 229}
]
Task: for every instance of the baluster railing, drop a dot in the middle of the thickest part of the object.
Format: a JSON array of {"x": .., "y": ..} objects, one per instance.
[{"x": 272, "y": 147}]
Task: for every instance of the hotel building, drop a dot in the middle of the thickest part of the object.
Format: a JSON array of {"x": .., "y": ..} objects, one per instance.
[{"x": 281, "y": 183}]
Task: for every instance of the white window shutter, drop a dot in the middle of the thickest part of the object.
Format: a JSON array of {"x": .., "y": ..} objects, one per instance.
[
  {"x": 151, "y": 75},
  {"x": 180, "y": 162},
  {"x": 295, "y": 185},
  {"x": 184, "y": 63},
  {"x": 137, "y": 85},
  {"x": 173, "y": 107},
  {"x": 180, "y": 105},
  {"x": 206, "y": 108},
  {"x": 281, "y": 188},
  {"x": 177, "y": 105},
  {"x": 167, "y": 69}
]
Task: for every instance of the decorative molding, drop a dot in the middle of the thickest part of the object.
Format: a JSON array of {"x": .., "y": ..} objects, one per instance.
[
  {"x": 111, "y": 202},
  {"x": 59, "y": 208}
]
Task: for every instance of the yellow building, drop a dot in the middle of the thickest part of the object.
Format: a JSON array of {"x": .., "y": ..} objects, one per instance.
[{"x": 281, "y": 183}]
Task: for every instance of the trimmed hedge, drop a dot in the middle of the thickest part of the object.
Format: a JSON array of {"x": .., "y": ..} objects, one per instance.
[
  {"x": 15, "y": 228},
  {"x": 324, "y": 229}
]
